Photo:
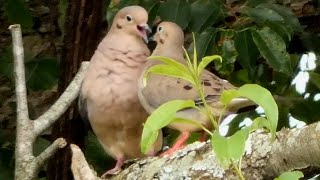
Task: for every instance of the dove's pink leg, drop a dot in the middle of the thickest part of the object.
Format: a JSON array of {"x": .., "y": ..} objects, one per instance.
[
  {"x": 117, "y": 167},
  {"x": 178, "y": 145},
  {"x": 203, "y": 136}
]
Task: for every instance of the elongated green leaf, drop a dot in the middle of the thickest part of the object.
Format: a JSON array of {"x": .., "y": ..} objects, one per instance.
[
  {"x": 207, "y": 60},
  {"x": 189, "y": 121},
  {"x": 281, "y": 29},
  {"x": 205, "y": 42},
  {"x": 195, "y": 56},
  {"x": 293, "y": 175},
  {"x": 261, "y": 14},
  {"x": 205, "y": 13},
  {"x": 288, "y": 16},
  {"x": 231, "y": 148},
  {"x": 169, "y": 61},
  {"x": 168, "y": 70},
  {"x": 177, "y": 11},
  {"x": 260, "y": 96},
  {"x": 248, "y": 52},
  {"x": 315, "y": 78},
  {"x": 160, "y": 118},
  {"x": 273, "y": 49}
]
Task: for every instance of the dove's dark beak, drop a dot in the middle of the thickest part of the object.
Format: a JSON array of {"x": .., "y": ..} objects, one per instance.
[{"x": 144, "y": 30}]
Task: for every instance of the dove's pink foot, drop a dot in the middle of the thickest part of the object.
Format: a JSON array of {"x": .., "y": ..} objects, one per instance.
[
  {"x": 117, "y": 167},
  {"x": 178, "y": 145}
]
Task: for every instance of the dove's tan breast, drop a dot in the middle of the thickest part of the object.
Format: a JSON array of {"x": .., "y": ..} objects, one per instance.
[{"x": 115, "y": 113}]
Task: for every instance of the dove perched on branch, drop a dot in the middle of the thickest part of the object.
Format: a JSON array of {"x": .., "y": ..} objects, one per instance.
[
  {"x": 108, "y": 96},
  {"x": 160, "y": 89}
]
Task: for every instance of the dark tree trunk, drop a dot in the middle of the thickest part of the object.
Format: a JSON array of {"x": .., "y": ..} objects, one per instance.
[{"x": 83, "y": 31}]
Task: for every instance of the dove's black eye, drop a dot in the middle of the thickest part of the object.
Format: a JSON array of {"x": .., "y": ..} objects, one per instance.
[
  {"x": 160, "y": 29},
  {"x": 129, "y": 18}
]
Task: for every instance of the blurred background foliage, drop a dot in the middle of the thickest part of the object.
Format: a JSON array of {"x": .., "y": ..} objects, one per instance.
[{"x": 261, "y": 41}]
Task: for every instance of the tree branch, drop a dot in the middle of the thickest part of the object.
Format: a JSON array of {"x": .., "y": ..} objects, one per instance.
[
  {"x": 62, "y": 104},
  {"x": 26, "y": 165},
  {"x": 292, "y": 149},
  {"x": 47, "y": 153},
  {"x": 79, "y": 165}
]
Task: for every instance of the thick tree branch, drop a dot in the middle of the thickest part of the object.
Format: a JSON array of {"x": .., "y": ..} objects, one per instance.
[
  {"x": 79, "y": 165},
  {"x": 62, "y": 104},
  {"x": 292, "y": 149},
  {"x": 26, "y": 165}
]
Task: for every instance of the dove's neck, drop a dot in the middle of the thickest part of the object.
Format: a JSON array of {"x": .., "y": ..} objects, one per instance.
[
  {"x": 174, "y": 52},
  {"x": 122, "y": 41}
]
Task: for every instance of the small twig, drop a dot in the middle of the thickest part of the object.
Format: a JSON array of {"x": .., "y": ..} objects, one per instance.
[
  {"x": 20, "y": 82},
  {"x": 62, "y": 104},
  {"x": 79, "y": 166},
  {"x": 47, "y": 153}
]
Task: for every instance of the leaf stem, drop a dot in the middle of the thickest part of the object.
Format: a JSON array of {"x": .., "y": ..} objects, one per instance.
[{"x": 238, "y": 170}]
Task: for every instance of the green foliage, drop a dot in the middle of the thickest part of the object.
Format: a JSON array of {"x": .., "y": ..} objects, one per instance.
[
  {"x": 160, "y": 118},
  {"x": 273, "y": 49},
  {"x": 17, "y": 13},
  {"x": 41, "y": 72},
  {"x": 260, "y": 96},
  {"x": 293, "y": 175},
  {"x": 178, "y": 11},
  {"x": 227, "y": 149}
]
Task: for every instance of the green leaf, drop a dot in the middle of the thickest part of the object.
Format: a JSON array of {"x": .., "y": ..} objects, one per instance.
[
  {"x": 205, "y": 42},
  {"x": 261, "y": 14},
  {"x": 229, "y": 56},
  {"x": 315, "y": 78},
  {"x": 170, "y": 62},
  {"x": 260, "y": 122},
  {"x": 42, "y": 73},
  {"x": 288, "y": 16},
  {"x": 293, "y": 175},
  {"x": 160, "y": 118},
  {"x": 229, "y": 149},
  {"x": 205, "y": 13},
  {"x": 177, "y": 11},
  {"x": 207, "y": 60},
  {"x": 273, "y": 49},
  {"x": 17, "y": 12},
  {"x": 281, "y": 29},
  {"x": 168, "y": 70},
  {"x": 260, "y": 96},
  {"x": 247, "y": 51}
]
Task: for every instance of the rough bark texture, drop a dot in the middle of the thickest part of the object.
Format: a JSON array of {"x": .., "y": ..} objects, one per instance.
[
  {"x": 82, "y": 30},
  {"x": 292, "y": 149}
]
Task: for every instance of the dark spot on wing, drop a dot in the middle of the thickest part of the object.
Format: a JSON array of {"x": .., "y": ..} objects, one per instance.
[
  {"x": 206, "y": 83},
  {"x": 187, "y": 87},
  {"x": 119, "y": 27},
  {"x": 161, "y": 41}
]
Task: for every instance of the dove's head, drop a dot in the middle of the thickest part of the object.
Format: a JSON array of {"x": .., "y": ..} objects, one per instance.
[
  {"x": 169, "y": 34},
  {"x": 132, "y": 20}
]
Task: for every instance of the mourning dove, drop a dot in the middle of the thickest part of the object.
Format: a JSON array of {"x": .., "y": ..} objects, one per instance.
[
  {"x": 160, "y": 89},
  {"x": 108, "y": 96}
]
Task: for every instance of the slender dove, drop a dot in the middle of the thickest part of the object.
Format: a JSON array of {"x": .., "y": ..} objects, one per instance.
[
  {"x": 108, "y": 95},
  {"x": 160, "y": 89}
]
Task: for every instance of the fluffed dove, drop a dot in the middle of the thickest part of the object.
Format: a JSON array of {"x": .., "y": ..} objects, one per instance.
[
  {"x": 160, "y": 89},
  {"x": 108, "y": 96}
]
